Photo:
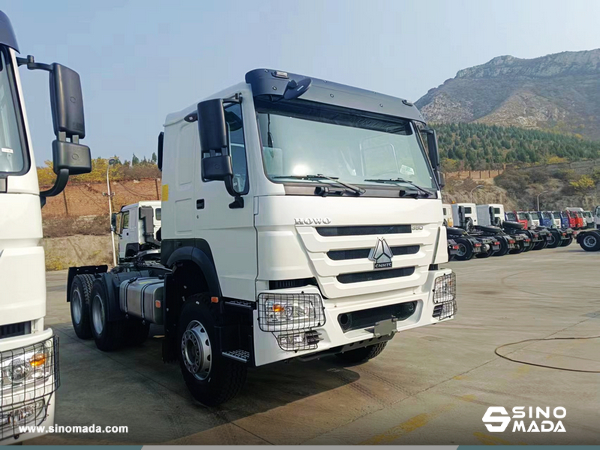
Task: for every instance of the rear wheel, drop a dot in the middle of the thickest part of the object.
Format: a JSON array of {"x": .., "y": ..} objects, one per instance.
[
  {"x": 590, "y": 242},
  {"x": 566, "y": 242},
  {"x": 211, "y": 378},
  {"x": 109, "y": 335},
  {"x": 540, "y": 245},
  {"x": 503, "y": 248},
  {"x": 362, "y": 354},
  {"x": 554, "y": 239},
  {"x": 519, "y": 248},
  {"x": 485, "y": 254},
  {"x": 81, "y": 290},
  {"x": 465, "y": 250}
]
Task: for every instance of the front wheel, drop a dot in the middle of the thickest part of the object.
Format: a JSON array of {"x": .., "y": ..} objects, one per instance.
[
  {"x": 590, "y": 242},
  {"x": 211, "y": 378},
  {"x": 362, "y": 354}
]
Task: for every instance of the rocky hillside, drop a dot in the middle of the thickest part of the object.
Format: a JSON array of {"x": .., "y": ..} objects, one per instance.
[{"x": 559, "y": 92}]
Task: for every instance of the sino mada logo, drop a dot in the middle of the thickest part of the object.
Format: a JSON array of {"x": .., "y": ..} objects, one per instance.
[{"x": 528, "y": 419}]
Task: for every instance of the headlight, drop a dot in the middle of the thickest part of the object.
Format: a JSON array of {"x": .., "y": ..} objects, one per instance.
[
  {"x": 444, "y": 289},
  {"x": 20, "y": 367},
  {"x": 283, "y": 312}
]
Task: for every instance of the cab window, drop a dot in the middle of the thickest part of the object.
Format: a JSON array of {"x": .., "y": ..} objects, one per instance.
[
  {"x": 125, "y": 221},
  {"x": 157, "y": 213}
]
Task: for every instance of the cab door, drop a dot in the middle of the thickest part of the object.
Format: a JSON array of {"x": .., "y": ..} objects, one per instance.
[{"x": 227, "y": 226}]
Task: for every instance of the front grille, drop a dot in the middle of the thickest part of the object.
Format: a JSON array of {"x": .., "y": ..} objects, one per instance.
[
  {"x": 13, "y": 329},
  {"x": 41, "y": 363},
  {"x": 369, "y": 317},
  {"x": 364, "y": 230},
  {"x": 375, "y": 275},
  {"x": 288, "y": 284},
  {"x": 360, "y": 253}
]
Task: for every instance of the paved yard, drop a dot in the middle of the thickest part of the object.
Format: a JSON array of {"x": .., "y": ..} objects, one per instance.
[{"x": 431, "y": 385}]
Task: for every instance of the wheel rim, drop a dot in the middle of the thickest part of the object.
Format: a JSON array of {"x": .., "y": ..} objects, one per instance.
[
  {"x": 552, "y": 240},
  {"x": 76, "y": 306},
  {"x": 98, "y": 315},
  {"x": 589, "y": 241},
  {"x": 196, "y": 350},
  {"x": 462, "y": 250}
]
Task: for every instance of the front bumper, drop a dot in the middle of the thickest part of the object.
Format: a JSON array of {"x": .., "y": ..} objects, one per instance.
[
  {"x": 331, "y": 335},
  {"x": 33, "y": 403}
]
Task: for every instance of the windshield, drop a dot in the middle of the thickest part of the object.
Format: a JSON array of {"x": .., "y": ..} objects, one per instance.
[
  {"x": 303, "y": 139},
  {"x": 522, "y": 216},
  {"x": 547, "y": 215},
  {"x": 510, "y": 216},
  {"x": 556, "y": 214},
  {"x": 496, "y": 210},
  {"x": 587, "y": 214},
  {"x": 535, "y": 215},
  {"x": 11, "y": 152}
]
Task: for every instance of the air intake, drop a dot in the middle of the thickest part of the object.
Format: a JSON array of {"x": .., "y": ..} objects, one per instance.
[
  {"x": 375, "y": 275},
  {"x": 365, "y": 230}
]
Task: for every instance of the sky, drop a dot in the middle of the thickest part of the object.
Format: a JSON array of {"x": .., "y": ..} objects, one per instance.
[{"x": 141, "y": 60}]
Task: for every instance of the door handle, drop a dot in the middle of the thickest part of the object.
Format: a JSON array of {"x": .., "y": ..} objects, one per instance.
[{"x": 200, "y": 203}]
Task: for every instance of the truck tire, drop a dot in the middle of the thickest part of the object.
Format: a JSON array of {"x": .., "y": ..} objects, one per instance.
[
  {"x": 590, "y": 242},
  {"x": 81, "y": 290},
  {"x": 137, "y": 332},
  {"x": 109, "y": 335},
  {"x": 540, "y": 245},
  {"x": 487, "y": 254},
  {"x": 519, "y": 248},
  {"x": 362, "y": 354},
  {"x": 211, "y": 378},
  {"x": 465, "y": 249},
  {"x": 503, "y": 248},
  {"x": 555, "y": 242},
  {"x": 567, "y": 242}
]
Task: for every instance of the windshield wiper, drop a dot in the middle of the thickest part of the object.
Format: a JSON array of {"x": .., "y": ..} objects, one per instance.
[
  {"x": 350, "y": 187},
  {"x": 424, "y": 191}
]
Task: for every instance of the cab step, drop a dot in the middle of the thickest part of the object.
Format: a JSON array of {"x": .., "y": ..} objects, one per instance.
[{"x": 239, "y": 355}]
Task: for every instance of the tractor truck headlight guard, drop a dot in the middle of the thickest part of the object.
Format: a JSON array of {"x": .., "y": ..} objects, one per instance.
[
  {"x": 444, "y": 296},
  {"x": 28, "y": 376},
  {"x": 290, "y": 312}
]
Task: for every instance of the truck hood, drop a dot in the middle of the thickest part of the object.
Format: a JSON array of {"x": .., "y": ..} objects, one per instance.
[{"x": 336, "y": 241}]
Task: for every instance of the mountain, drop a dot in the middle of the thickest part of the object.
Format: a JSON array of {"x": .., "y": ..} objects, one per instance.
[{"x": 559, "y": 92}]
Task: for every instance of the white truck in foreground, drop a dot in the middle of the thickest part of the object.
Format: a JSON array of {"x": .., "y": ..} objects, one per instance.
[
  {"x": 29, "y": 370},
  {"x": 300, "y": 218}
]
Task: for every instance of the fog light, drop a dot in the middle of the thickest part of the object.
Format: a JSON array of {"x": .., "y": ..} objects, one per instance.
[{"x": 298, "y": 341}]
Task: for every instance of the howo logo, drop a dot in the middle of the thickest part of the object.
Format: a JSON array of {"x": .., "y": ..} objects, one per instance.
[
  {"x": 498, "y": 415},
  {"x": 381, "y": 255},
  {"x": 315, "y": 221}
]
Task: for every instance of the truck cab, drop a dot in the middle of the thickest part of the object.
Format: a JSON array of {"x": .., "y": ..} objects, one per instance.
[
  {"x": 588, "y": 218},
  {"x": 547, "y": 220},
  {"x": 490, "y": 215},
  {"x": 447, "y": 212},
  {"x": 300, "y": 218},
  {"x": 138, "y": 226},
  {"x": 464, "y": 215},
  {"x": 29, "y": 365},
  {"x": 519, "y": 217}
]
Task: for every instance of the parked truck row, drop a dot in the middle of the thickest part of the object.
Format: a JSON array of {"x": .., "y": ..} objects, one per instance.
[{"x": 488, "y": 230}]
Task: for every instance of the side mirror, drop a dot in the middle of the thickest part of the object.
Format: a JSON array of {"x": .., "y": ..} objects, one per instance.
[
  {"x": 212, "y": 127},
  {"x": 434, "y": 154},
  {"x": 66, "y": 99},
  {"x": 113, "y": 222},
  {"x": 214, "y": 143},
  {"x": 217, "y": 168}
]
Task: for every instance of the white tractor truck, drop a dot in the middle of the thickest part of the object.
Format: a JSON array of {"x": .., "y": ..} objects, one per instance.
[
  {"x": 300, "y": 218},
  {"x": 138, "y": 228},
  {"x": 29, "y": 369}
]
